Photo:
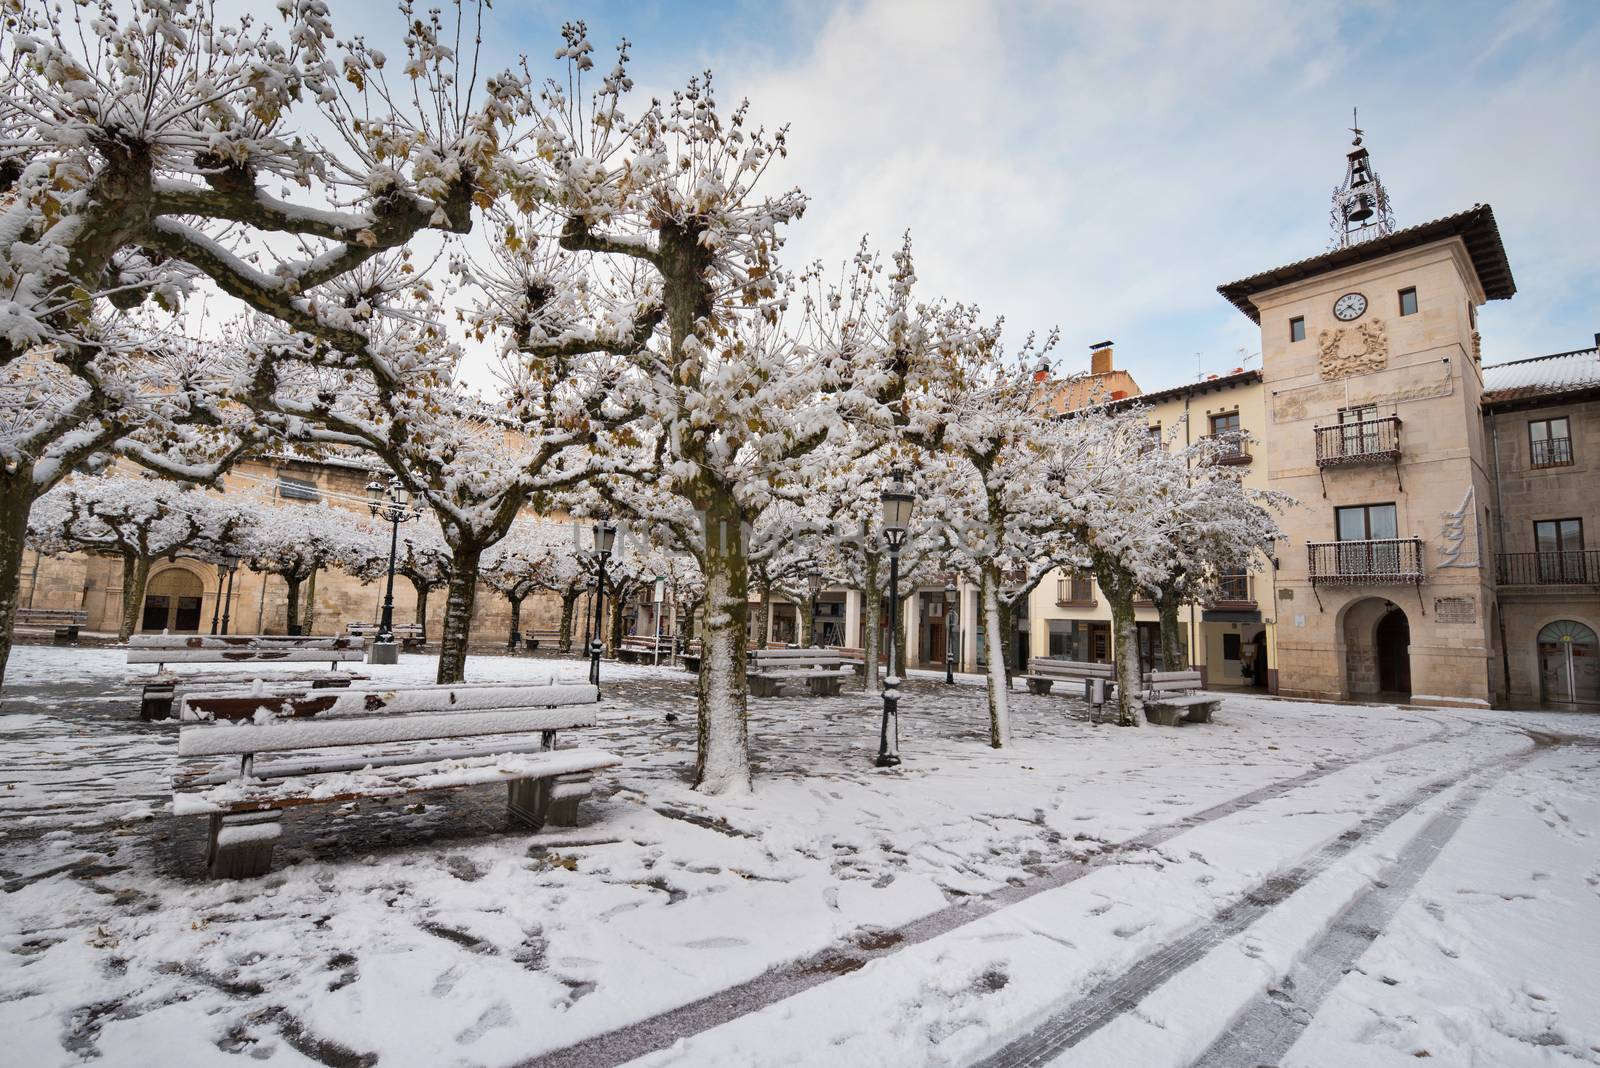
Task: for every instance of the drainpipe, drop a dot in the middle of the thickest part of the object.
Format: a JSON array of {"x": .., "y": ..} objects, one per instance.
[
  {"x": 1500, "y": 546},
  {"x": 1193, "y": 632}
]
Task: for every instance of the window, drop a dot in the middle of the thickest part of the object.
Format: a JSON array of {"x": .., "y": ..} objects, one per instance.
[
  {"x": 298, "y": 489},
  {"x": 1225, "y": 428},
  {"x": 1550, "y": 442},
  {"x": 1154, "y": 441},
  {"x": 1364, "y": 522},
  {"x": 1560, "y": 545},
  {"x": 1297, "y": 328},
  {"x": 1364, "y": 525},
  {"x": 1358, "y": 434},
  {"x": 1230, "y": 647},
  {"x": 1408, "y": 302},
  {"x": 1234, "y": 586},
  {"x": 1076, "y": 587}
]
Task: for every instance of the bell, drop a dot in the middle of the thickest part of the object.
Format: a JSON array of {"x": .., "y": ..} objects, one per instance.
[{"x": 1360, "y": 209}]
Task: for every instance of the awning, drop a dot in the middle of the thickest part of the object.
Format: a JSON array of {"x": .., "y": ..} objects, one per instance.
[{"x": 1215, "y": 615}]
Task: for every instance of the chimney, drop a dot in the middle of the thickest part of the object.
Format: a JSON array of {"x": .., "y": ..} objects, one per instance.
[
  {"x": 1041, "y": 370},
  {"x": 1100, "y": 358}
]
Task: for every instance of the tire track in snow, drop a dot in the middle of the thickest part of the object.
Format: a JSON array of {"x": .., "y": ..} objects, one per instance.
[
  {"x": 659, "y": 1031},
  {"x": 1122, "y": 993},
  {"x": 1274, "y": 1020}
]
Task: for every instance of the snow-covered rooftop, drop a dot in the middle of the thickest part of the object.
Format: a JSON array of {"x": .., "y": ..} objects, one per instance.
[{"x": 1561, "y": 372}]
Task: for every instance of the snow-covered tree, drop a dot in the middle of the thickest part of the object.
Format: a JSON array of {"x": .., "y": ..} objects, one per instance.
[
  {"x": 146, "y": 150},
  {"x": 295, "y": 542},
  {"x": 525, "y": 562},
  {"x": 139, "y": 520},
  {"x": 422, "y": 558}
]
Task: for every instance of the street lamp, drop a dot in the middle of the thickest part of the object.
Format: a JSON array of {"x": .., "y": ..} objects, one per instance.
[
  {"x": 897, "y": 502},
  {"x": 951, "y": 599},
  {"x": 605, "y": 537},
  {"x": 391, "y": 502},
  {"x": 814, "y": 584},
  {"x": 226, "y": 566}
]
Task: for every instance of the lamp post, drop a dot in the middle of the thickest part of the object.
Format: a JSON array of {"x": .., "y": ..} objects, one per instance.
[
  {"x": 897, "y": 502},
  {"x": 814, "y": 584},
  {"x": 951, "y": 595},
  {"x": 605, "y": 537},
  {"x": 226, "y": 566},
  {"x": 392, "y": 503}
]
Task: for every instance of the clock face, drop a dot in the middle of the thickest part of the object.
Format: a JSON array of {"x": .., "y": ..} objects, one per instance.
[{"x": 1350, "y": 306}]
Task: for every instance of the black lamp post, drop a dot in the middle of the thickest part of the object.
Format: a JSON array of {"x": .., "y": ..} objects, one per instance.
[
  {"x": 227, "y": 602},
  {"x": 951, "y": 596},
  {"x": 392, "y": 503},
  {"x": 225, "y": 566},
  {"x": 814, "y": 584},
  {"x": 897, "y": 502},
  {"x": 605, "y": 537}
]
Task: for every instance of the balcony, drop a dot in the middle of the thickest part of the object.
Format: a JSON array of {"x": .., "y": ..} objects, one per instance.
[
  {"x": 1570, "y": 567},
  {"x": 1075, "y": 593},
  {"x": 1379, "y": 562},
  {"x": 1552, "y": 452},
  {"x": 1231, "y": 449},
  {"x": 1370, "y": 441},
  {"x": 1235, "y": 593}
]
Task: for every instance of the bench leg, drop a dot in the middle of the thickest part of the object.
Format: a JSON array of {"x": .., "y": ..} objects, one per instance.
[
  {"x": 760, "y": 686},
  {"x": 156, "y": 703},
  {"x": 1040, "y": 687},
  {"x": 565, "y": 793},
  {"x": 1200, "y": 713},
  {"x": 528, "y": 802},
  {"x": 1161, "y": 715},
  {"x": 240, "y": 844},
  {"x": 824, "y": 687}
]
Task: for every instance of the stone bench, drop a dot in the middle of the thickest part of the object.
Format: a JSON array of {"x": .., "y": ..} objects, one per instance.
[
  {"x": 823, "y": 670},
  {"x": 1045, "y": 672},
  {"x": 245, "y": 758},
  {"x": 409, "y": 635},
  {"x": 1171, "y": 697},
  {"x": 65, "y": 621},
  {"x": 642, "y": 649}
]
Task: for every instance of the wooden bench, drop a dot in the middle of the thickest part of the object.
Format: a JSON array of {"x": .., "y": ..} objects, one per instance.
[
  {"x": 410, "y": 635},
  {"x": 1044, "y": 672},
  {"x": 66, "y": 621},
  {"x": 245, "y": 649},
  {"x": 243, "y": 757},
  {"x": 1171, "y": 696},
  {"x": 647, "y": 648},
  {"x": 823, "y": 670}
]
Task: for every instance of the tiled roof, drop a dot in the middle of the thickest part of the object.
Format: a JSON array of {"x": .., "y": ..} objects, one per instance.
[
  {"x": 1561, "y": 372},
  {"x": 1475, "y": 226}
]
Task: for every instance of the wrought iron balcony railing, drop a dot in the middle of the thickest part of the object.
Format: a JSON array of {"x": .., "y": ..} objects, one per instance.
[
  {"x": 1378, "y": 562},
  {"x": 1074, "y": 591},
  {"x": 1552, "y": 452},
  {"x": 1235, "y": 590},
  {"x": 1569, "y": 567},
  {"x": 1232, "y": 448},
  {"x": 1371, "y": 441}
]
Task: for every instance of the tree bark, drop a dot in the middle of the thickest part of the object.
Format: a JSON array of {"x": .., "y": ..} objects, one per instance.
[
  {"x": 902, "y": 646},
  {"x": 15, "y": 503},
  {"x": 135, "y": 580},
  {"x": 1172, "y": 658},
  {"x": 994, "y": 653},
  {"x": 423, "y": 589},
  {"x": 617, "y": 617},
  {"x": 516, "y": 619},
  {"x": 309, "y": 609},
  {"x": 722, "y": 764},
  {"x": 872, "y": 614},
  {"x": 463, "y": 590},
  {"x": 803, "y": 622},
  {"x": 569, "y": 600},
  {"x": 292, "y": 619},
  {"x": 1118, "y": 588},
  {"x": 764, "y": 615}
]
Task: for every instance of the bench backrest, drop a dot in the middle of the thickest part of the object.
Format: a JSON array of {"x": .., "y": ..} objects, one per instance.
[
  {"x": 1173, "y": 680},
  {"x": 796, "y": 658},
  {"x": 1070, "y": 668},
  {"x": 363, "y": 629},
  {"x": 66, "y": 615},
  {"x": 259, "y": 723},
  {"x": 194, "y": 648}
]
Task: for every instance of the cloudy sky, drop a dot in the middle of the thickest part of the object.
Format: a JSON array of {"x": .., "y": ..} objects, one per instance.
[{"x": 1102, "y": 167}]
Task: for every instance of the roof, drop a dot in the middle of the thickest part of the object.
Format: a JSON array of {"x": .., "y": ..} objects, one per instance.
[
  {"x": 1189, "y": 389},
  {"x": 1475, "y": 226},
  {"x": 1558, "y": 374}
]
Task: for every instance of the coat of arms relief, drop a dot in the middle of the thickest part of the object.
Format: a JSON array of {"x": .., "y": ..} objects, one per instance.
[{"x": 1353, "y": 350}]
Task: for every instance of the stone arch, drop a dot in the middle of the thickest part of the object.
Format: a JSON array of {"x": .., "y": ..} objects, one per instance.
[
  {"x": 1375, "y": 635},
  {"x": 174, "y": 600}
]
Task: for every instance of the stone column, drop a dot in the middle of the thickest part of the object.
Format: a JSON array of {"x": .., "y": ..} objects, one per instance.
[{"x": 852, "y": 617}]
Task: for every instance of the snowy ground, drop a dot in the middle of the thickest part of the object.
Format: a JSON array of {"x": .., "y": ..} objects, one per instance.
[{"x": 1295, "y": 883}]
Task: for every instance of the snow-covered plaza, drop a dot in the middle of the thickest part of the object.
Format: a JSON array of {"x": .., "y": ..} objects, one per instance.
[{"x": 1292, "y": 884}]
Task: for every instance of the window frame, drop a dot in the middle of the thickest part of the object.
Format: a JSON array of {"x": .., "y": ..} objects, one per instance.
[
  {"x": 1297, "y": 325},
  {"x": 1560, "y": 458},
  {"x": 1366, "y": 510},
  {"x": 1416, "y": 306},
  {"x": 291, "y": 488}
]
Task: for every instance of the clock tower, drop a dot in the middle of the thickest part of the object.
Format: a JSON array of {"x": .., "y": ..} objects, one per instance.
[{"x": 1370, "y": 366}]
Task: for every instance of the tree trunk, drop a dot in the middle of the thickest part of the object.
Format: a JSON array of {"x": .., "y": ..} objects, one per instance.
[
  {"x": 803, "y": 622},
  {"x": 994, "y": 652},
  {"x": 617, "y": 617},
  {"x": 872, "y": 613},
  {"x": 516, "y": 620},
  {"x": 1125, "y": 652},
  {"x": 1172, "y": 658},
  {"x": 135, "y": 580},
  {"x": 764, "y": 616},
  {"x": 463, "y": 590},
  {"x": 569, "y": 601},
  {"x": 14, "y": 508},
  {"x": 309, "y": 610},
  {"x": 722, "y": 765},
  {"x": 423, "y": 589},
  {"x": 292, "y": 619}
]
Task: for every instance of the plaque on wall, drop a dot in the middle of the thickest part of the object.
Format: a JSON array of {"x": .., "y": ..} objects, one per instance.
[{"x": 1455, "y": 609}]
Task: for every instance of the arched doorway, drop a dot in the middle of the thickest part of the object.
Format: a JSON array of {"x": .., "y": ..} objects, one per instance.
[
  {"x": 1569, "y": 663},
  {"x": 172, "y": 601},
  {"x": 1392, "y": 643}
]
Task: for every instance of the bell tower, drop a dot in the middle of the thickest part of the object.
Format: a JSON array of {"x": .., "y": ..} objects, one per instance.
[{"x": 1360, "y": 203}]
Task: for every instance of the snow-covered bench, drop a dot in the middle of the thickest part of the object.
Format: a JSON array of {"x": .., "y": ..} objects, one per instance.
[
  {"x": 1171, "y": 696},
  {"x": 160, "y": 688},
  {"x": 691, "y": 655},
  {"x": 822, "y": 669},
  {"x": 644, "y": 648},
  {"x": 65, "y": 621},
  {"x": 1045, "y": 672},
  {"x": 410, "y": 635},
  {"x": 244, "y": 758}
]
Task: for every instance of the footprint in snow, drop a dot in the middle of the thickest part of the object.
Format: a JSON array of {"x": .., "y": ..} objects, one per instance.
[{"x": 719, "y": 942}]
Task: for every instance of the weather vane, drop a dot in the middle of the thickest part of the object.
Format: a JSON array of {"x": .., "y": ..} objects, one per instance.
[{"x": 1355, "y": 126}]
